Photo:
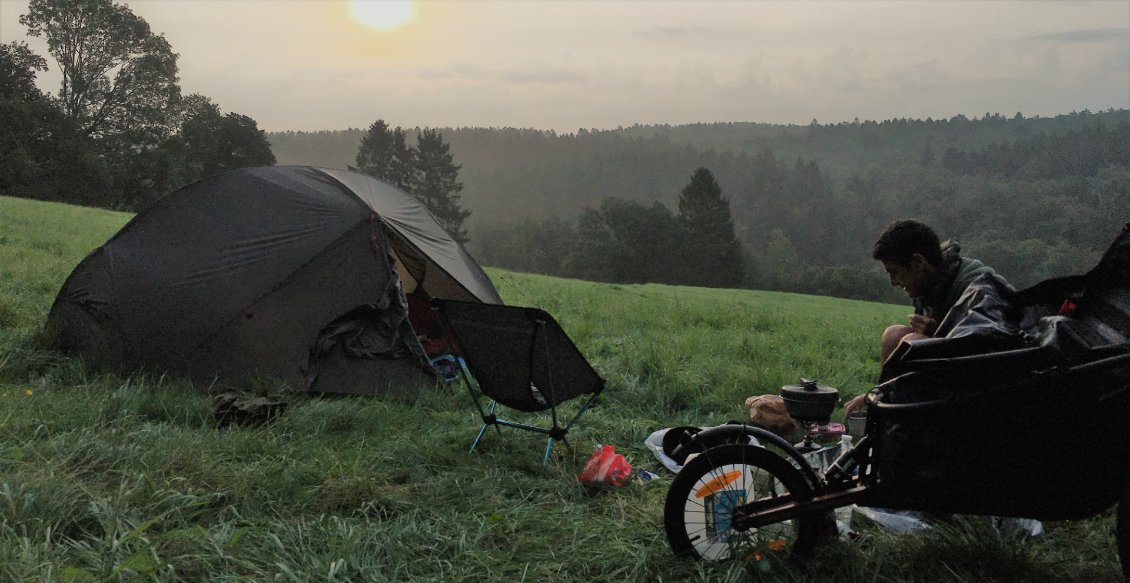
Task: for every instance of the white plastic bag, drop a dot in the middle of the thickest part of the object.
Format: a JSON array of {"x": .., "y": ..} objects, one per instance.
[{"x": 654, "y": 442}]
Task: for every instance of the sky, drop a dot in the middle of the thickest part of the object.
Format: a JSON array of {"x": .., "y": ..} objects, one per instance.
[{"x": 569, "y": 64}]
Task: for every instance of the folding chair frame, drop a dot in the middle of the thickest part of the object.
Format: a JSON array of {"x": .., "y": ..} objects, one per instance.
[{"x": 489, "y": 414}]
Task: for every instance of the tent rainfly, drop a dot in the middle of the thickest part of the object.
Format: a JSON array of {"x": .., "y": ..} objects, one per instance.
[{"x": 318, "y": 278}]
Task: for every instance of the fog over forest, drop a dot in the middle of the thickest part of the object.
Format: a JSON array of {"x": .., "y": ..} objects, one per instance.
[{"x": 1033, "y": 197}]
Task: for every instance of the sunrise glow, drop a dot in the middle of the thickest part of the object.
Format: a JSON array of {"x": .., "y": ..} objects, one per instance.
[{"x": 383, "y": 14}]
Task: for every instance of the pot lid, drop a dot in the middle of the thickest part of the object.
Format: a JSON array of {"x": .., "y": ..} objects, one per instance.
[{"x": 809, "y": 390}]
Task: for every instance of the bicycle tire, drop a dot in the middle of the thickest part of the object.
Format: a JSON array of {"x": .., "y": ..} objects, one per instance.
[{"x": 697, "y": 510}]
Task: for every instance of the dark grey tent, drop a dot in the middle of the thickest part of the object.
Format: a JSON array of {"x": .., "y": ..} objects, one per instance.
[{"x": 299, "y": 274}]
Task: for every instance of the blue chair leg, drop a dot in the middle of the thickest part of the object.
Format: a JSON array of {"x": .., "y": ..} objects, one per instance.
[
  {"x": 548, "y": 449},
  {"x": 483, "y": 429},
  {"x": 479, "y": 437}
]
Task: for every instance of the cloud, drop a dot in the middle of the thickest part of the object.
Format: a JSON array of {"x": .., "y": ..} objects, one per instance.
[
  {"x": 461, "y": 72},
  {"x": 755, "y": 73},
  {"x": 668, "y": 33},
  {"x": 1082, "y": 55},
  {"x": 717, "y": 41},
  {"x": 922, "y": 77},
  {"x": 840, "y": 69},
  {"x": 1102, "y": 35},
  {"x": 456, "y": 70},
  {"x": 542, "y": 76}
]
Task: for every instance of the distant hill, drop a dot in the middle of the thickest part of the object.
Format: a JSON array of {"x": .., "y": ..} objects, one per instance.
[
  {"x": 513, "y": 173},
  {"x": 1035, "y": 197}
]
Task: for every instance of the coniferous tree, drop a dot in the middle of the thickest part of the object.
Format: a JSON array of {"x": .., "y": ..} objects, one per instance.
[
  {"x": 712, "y": 255},
  {"x": 385, "y": 155},
  {"x": 437, "y": 183}
]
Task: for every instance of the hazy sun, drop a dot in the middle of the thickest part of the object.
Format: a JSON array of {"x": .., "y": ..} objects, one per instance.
[{"x": 383, "y": 14}]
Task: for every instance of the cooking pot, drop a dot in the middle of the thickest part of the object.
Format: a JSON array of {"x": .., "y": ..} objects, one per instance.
[{"x": 810, "y": 402}]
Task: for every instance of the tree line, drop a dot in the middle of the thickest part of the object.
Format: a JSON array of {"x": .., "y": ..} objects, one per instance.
[{"x": 1033, "y": 197}]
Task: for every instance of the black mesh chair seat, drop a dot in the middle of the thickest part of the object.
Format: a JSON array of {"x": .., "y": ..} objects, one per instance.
[{"x": 519, "y": 358}]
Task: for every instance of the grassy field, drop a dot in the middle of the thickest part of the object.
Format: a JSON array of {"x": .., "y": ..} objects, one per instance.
[{"x": 105, "y": 478}]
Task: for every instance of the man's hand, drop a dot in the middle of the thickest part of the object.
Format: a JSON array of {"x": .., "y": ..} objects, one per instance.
[
  {"x": 923, "y": 324},
  {"x": 852, "y": 405}
]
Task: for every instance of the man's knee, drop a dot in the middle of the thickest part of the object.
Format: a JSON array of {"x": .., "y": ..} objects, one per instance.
[
  {"x": 891, "y": 338},
  {"x": 895, "y": 333}
]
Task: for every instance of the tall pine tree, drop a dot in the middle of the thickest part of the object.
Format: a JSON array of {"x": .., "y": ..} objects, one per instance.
[
  {"x": 385, "y": 155},
  {"x": 712, "y": 255},
  {"x": 437, "y": 183}
]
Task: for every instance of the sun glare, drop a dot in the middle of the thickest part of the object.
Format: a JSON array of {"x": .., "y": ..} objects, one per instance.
[{"x": 383, "y": 14}]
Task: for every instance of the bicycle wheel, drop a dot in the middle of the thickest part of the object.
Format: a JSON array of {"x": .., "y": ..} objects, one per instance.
[{"x": 700, "y": 502}]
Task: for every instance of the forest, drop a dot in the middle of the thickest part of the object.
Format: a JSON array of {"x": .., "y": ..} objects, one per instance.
[{"x": 1034, "y": 197}]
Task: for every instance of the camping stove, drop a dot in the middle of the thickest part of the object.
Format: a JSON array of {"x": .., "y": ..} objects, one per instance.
[{"x": 810, "y": 404}]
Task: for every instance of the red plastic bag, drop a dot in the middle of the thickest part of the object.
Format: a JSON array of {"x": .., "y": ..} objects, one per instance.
[{"x": 607, "y": 466}]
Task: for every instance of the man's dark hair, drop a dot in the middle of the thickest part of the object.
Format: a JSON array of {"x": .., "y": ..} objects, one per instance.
[{"x": 902, "y": 239}]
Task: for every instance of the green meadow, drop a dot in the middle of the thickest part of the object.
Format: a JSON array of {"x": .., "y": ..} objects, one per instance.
[{"x": 110, "y": 478}]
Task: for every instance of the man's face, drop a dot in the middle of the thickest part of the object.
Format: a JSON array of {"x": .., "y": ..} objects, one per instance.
[{"x": 914, "y": 279}]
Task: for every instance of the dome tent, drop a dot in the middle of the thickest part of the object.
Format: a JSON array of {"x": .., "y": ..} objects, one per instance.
[{"x": 294, "y": 273}]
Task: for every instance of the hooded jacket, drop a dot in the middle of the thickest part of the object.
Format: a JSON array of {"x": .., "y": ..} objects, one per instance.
[{"x": 957, "y": 273}]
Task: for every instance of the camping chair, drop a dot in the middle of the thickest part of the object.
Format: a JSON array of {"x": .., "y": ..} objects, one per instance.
[{"x": 519, "y": 358}]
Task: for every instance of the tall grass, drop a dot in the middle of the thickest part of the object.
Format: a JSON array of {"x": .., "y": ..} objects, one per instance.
[{"x": 104, "y": 478}]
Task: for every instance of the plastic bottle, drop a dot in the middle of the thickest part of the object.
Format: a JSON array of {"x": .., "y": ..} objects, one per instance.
[{"x": 843, "y": 514}]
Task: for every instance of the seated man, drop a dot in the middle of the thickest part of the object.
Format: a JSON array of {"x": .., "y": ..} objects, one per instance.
[{"x": 933, "y": 275}]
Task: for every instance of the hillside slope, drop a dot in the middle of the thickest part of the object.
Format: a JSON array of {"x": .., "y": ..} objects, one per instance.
[{"x": 107, "y": 478}]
